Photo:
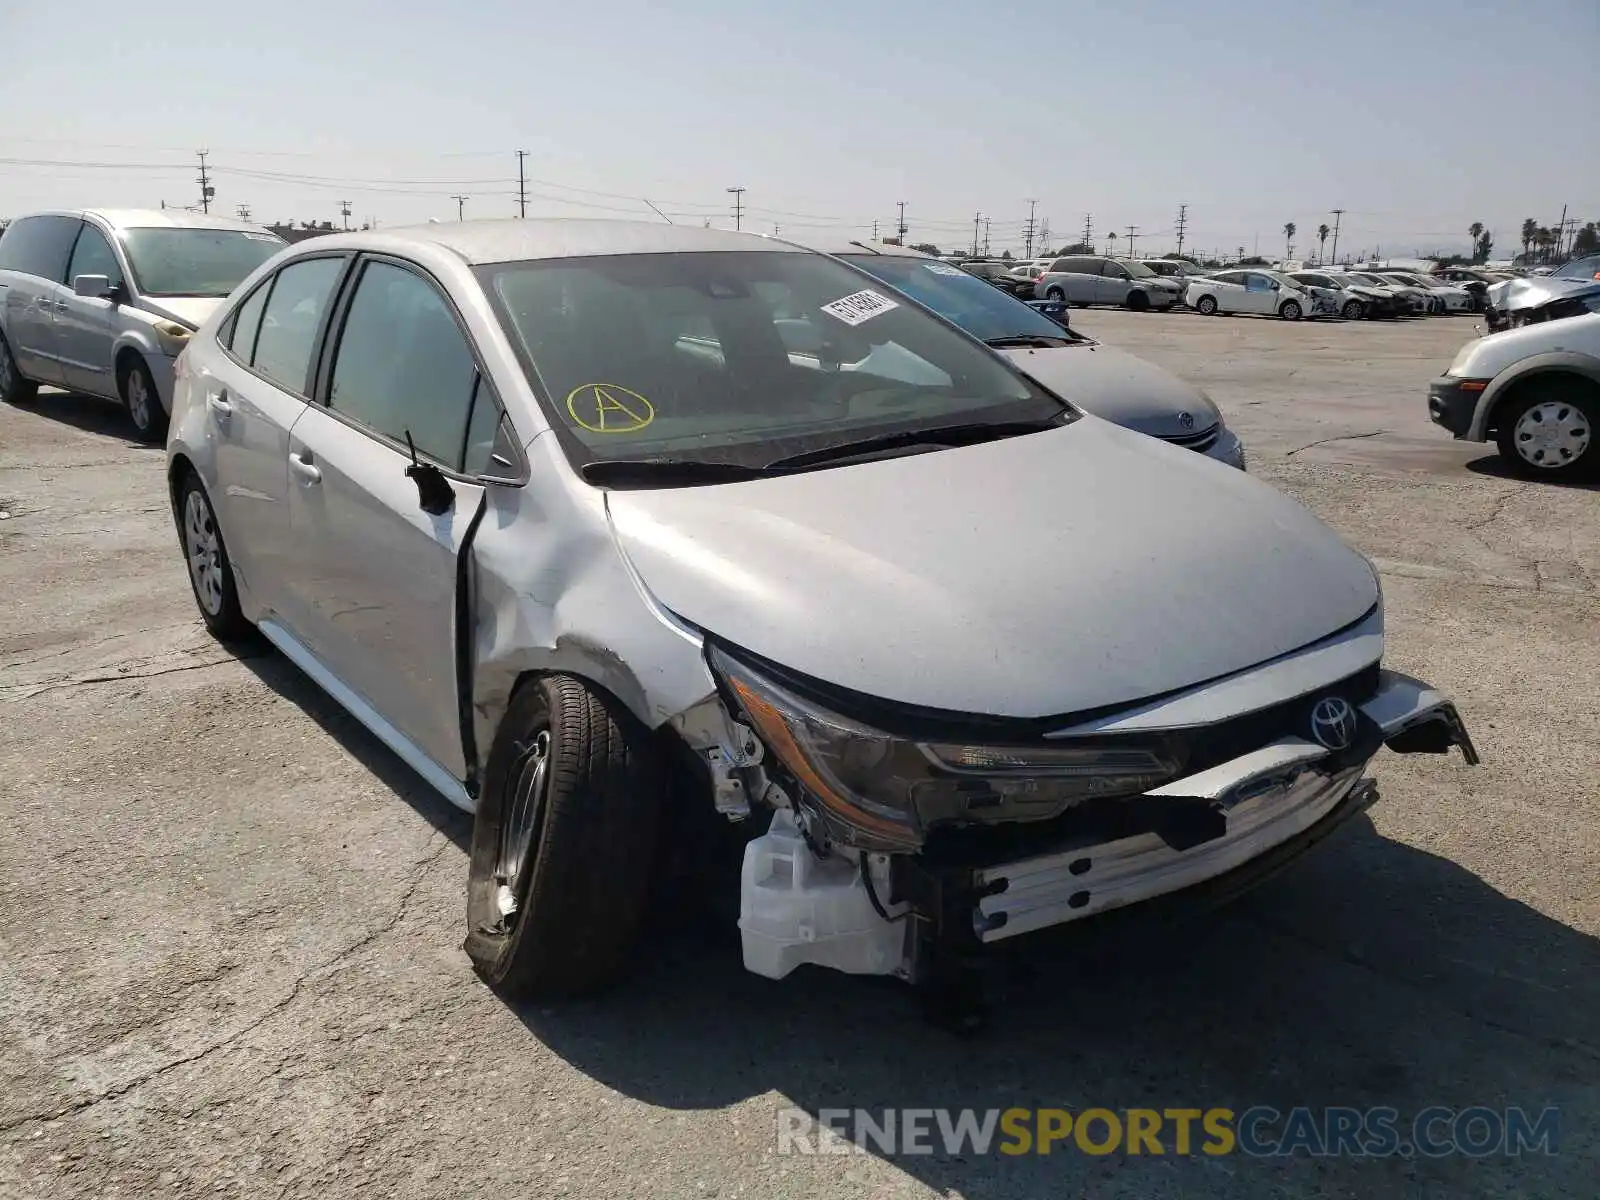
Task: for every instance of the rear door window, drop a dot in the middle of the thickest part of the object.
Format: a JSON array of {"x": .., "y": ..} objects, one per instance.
[
  {"x": 39, "y": 246},
  {"x": 292, "y": 319}
]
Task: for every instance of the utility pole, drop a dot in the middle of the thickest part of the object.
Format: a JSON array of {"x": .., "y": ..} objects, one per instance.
[
  {"x": 1088, "y": 230},
  {"x": 874, "y": 229},
  {"x": 1132, "y": 230},
  {"x": 206, "y": 190},
  {"x": 1183, "y": 221},
  {"x": 977, "y": 219},
  {"x": 522, "y": 185},
  {"x": 344, "y": 211},
  {"x": 243, "y": 210},
  {"x": 901, "y": 228},
  {"x": 1027, "y": 231},
  {"x": 986, "y": 237},
  {"x": 461, "y": 206},
  {"x": 1337, "y": 213},
  {"x": 1561, "y": 231},
  {"x": 738, "y": 206}
]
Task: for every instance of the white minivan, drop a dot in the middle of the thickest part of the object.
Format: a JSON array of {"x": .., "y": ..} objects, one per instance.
[{"x": 102, "y": 302}]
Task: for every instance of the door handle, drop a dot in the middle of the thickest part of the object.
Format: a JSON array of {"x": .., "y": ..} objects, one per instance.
[
  {"x": 218, "y": 403},
  {"x": 308, "y": 471}
]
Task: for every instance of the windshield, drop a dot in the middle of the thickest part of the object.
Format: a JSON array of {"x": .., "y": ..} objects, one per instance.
[
  {"x": 1375, "y": 279},
  {"x": 983, "y": 311},
  {"x": 741, "y": 357},
  {"x": 195, "y": 262},
  {"x": 1137, "y": 269},
  {"x": 1581, "y": 268}
]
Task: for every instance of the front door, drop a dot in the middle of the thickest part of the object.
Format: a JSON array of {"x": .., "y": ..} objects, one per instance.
[
  {"x": 1113, "y": 284},
  {"x": 86, "y": 325},
  {"x": 1260, "y": 294},
  {"x": 375, "y": 573}
]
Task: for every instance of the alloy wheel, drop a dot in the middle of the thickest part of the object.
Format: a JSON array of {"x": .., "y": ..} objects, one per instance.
[
  {"x": 524, "y": 816},
  {"x": 138, "y": 399},
  {"x": 8, "y": 370},
  {"x": 203, "y": 547},
  {"x": 1551, "y": 435}
]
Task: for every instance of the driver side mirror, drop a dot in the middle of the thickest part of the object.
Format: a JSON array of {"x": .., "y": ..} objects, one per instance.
[
  {"x": 1275, "y": 286},
  {"x": 93, "y": 287}
]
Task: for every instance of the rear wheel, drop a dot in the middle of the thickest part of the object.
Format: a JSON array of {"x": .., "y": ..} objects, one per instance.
[
  {"x": 562, "y": 843},
  {"x": 139, "y": 394},
  {"x": 1353, "y": 310},
  {"x": 1206, "y": 306},
  {"x": 1549, "y": 428},
  {"x": 14, "y": 389},
  {"x": 210, "y": 572},
  {"x": 1290, "y": 310}
]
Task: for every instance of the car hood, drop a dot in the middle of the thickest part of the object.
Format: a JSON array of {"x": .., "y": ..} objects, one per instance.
[
  {"x": 1115, "y": 385},
  {"x": 1042, "y": 575},
  {"x": 186, "y": 310},
  {"x": 1518, "y": 295}
]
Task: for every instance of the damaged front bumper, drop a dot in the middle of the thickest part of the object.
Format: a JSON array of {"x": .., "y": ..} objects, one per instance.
[{"x": 1267, "y": 805}]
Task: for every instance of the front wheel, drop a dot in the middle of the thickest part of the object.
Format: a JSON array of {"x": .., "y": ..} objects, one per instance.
[
  {"x": 1138, "y": 301},
  {"x": 142, "y": 400},
  {"x": 1550, "y": 429},
  {"x": 14, "y": 389},
  {"x": 1352, "y": 310},
  {"x": 1290, "y": 310},
  {"x": 562, "y": 844},
  {"x": 1055, "y": 293},
  {"x": 1206, "y": 306}
]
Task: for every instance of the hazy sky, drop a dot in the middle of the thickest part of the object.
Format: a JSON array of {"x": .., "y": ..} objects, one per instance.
[{"x": 1416, "y": 116}]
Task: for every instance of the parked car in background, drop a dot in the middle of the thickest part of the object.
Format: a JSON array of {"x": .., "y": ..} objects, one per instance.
[
  {"x": 999, "y": 274},
  {"x": 1085, "y": 279},
  {"x": 103, "y": 301},
  {"x": 1351, "y": 300},
  {"x": 1179, "y": 270},
  {"x": 1101, "y": 379},
  {"x": 1253, "y": 292},
  {"x": 1533, "y": 390},
  {"x": 1580, "y": 268},
  {"x": 1417, "y": 300},
  {"x": 1475, "y": 280},
  {"x": 1450, "y": 298},
  {"x": 564, "y": 512}
]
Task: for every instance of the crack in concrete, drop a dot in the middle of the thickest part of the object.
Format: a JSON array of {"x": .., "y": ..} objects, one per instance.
[
  {"x": 296, "y": 990},
  {"x": 1350, "y": 958},
  {"x": 1343, "y": 437},
  {"x": 1497, "y": 508},
  {"x": 88, "y": 679},
  {"x": 76, "y": 646}
]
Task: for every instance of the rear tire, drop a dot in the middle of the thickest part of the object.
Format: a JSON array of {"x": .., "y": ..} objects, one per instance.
[
  {"x": 14, "y": 389},
  {"x": 137, "y": 388},
  {"x": 1206, "y": 306},
  {"x": 1290, "y": 310},
  {"x": 1551, "y": 429},
  {"x": 210, "y": 570},
  {"x": 563, "y": 842}
]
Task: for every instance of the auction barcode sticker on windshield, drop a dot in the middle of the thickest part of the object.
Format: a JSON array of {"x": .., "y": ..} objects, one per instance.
[
  {"x": 862, "y": 306},
  {"x": 944, "y": 269}
]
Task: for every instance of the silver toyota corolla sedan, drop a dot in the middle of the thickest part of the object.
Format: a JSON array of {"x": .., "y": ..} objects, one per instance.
[{"x": 635, "y": 539}]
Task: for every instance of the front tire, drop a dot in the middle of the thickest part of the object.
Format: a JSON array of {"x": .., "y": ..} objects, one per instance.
[
  {"x": 1054, "y": 293},
  {"x": 1290, "y": 310},
  {"x": 1206, "y": 306},
  {"x": 1138, "y": 301},
  {"x": 210, "y": 570},
  {"x": 563, "y": 841},
  {"x": 138, "y": 390},
  {"x": 1551, "y": 428},
  {"x": 1353, "y": 310},
  {"x": 14, "y": 389}
]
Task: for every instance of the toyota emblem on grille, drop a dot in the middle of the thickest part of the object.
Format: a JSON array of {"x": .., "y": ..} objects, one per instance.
[
  {"x": 1333, "y": 723},
  {"x": 1186, "y": 420}
]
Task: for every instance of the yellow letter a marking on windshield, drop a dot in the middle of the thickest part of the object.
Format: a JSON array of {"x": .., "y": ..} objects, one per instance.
[{"x": 600, "y": 408}]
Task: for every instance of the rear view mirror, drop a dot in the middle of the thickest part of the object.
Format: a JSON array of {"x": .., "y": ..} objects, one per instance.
[{"x": 92, "y": 287}]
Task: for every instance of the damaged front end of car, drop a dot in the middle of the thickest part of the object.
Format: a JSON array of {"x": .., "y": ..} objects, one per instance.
[{"x": 903, "y": 843}]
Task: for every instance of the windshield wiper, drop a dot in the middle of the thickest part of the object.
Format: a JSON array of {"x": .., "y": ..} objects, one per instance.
[
  {"x": 941, "y": 435},
  {"x": 1043, "y": 341},
  {"x": 667, "y": 472}
]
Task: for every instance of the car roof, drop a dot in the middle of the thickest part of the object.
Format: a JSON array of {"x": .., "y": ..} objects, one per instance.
[
  {"x": 513, "y": 239},
  {"x": 162, "y": 218},
  {"x": 836, "y": 245}
]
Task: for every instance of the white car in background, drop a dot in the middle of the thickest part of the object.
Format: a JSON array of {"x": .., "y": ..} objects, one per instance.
[
  {"x": 1452, "y": 297},
  {"x": 1253, "y": 292}
]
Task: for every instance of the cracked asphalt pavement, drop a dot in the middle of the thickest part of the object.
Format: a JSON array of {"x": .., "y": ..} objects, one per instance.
[{"x": 230, "y": 921}]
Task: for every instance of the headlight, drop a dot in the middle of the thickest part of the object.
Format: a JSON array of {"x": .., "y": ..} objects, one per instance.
[
  {"x": 172, "y": 336},
  {"x": 876, "y": 790}
]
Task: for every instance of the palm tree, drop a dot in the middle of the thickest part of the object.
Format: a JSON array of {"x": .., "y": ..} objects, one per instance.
[
  {"x": 1113, "y": 236},
  {"x": 1475, "y": 231},
  {"x": 1322, "y": 240},
  {"x": 1530, "y": 228},
  {"x": 1542, "y": 238},
  {"x": 1288, "y": 239}
]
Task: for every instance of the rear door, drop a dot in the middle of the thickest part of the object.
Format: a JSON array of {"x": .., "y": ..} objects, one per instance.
[
  {"x": 34, "y": 254},
  {"x": 86, "y": 326},
  {"x": 374, "y": 573},
  {"x": 255, "y": 391}
]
